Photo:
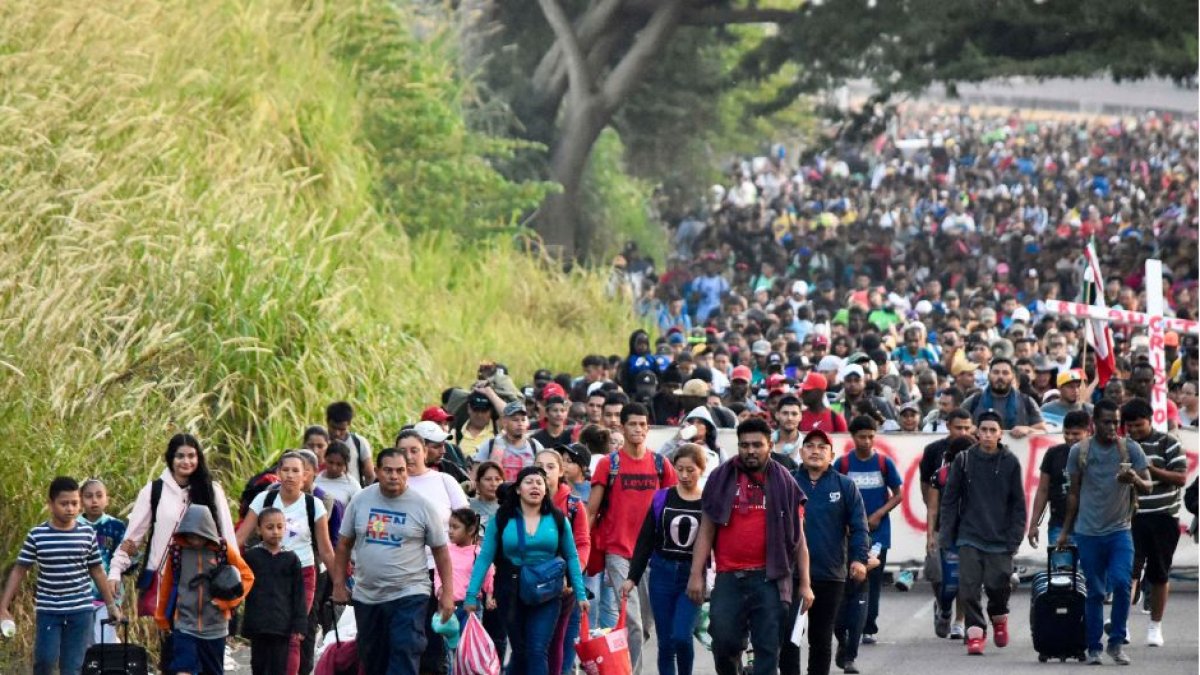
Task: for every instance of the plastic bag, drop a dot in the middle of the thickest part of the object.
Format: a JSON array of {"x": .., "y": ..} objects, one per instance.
[{"x": 476, "y": 653}]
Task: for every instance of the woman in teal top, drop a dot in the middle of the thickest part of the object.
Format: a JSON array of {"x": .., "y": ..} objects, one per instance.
[{"x": 547, "y": 535}]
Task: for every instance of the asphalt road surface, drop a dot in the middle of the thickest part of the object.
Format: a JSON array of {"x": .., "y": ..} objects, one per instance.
[{"x": 907, "y": 643}]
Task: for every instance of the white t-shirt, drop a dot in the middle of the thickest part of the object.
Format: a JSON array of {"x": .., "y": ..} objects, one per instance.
[
  {"x": 296, "y": 537},
  {"x": 342, "y": 488},
  {"x": 443, "y": 493}
]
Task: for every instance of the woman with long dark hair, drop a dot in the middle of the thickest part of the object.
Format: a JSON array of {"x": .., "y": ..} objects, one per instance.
[
  {"x": 158, "y": 509},
  {"x": 527, "y": 536}
]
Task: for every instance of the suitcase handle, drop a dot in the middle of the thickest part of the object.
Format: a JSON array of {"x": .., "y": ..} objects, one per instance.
[{"x": 1069, "y": 548}]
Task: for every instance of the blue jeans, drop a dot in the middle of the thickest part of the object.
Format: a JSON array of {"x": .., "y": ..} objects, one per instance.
[
  {"x": 61, "y": 642},
  {"x": 1107, "y": 562},
  {"x": 1060, "y": 559},
  {"x": 851, "y": 615},
  {"x": 674, "y": 614},
  {"x": 569, "y": 638},
  {"x": 530, "y": 629},
  {"x": 391, "y": 635},
  {"x": 744, "y": 602},
  {"x": 603, "y": 613},
  {"x": 874, "y": 586}
]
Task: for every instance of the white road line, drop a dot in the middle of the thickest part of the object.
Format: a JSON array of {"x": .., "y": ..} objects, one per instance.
[{"x": 924, "y": 611}]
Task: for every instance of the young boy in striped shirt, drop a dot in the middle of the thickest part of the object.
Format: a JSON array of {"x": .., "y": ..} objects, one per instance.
[{"x": 67, "y": 557}]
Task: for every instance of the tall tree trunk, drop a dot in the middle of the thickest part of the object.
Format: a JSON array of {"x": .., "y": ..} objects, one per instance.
[{"x": 560, "y": 220}]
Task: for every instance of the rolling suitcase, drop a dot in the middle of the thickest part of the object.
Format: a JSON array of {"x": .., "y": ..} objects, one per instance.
[
  {"x": 1056, "y": 611},
  {"x": 116, "y": 659}
]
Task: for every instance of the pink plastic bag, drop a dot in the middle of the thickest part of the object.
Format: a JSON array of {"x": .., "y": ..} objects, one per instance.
[{"x": 476, "y": 652}]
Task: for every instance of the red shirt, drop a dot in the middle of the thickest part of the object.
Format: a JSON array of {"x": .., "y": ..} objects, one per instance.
[
  {"x": 742, "y": 544},
  {"x": 826, "y": 420},
  {"x": 628, "y": 500}
]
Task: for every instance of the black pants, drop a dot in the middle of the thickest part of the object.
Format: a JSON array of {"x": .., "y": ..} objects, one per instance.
[
  {"x": 821, "y": 618},
  {"x": 980, "y": 571},
  {"x": 268, "y": 654}
]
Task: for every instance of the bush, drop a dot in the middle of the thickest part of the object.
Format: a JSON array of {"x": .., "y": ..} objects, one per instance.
[{"x": 208, "y": 211}]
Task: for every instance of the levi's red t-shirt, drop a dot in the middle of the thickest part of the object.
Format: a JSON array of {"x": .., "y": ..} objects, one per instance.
[
  {"x": 628, "y": 500},
  {"x": 742, "y": 544}
]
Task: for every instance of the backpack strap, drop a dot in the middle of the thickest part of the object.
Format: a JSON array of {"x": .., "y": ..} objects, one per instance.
[
  {"x": 310, "y": 510},
  {"x": 660, "y": 466},
  {"x": 358, "y": 450},
  {"x": 844, "y": 464},
  {"x": 269, "y": 499},
  {"x": 658, "y": 504},
  {"x": 883, "y": 471},
  {"x": 156, "y": 489}
]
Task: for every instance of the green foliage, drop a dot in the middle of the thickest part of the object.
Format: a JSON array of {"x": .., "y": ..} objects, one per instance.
[
  {"x": 220, "y": 216},
  {"x": 617, "y": 207}
]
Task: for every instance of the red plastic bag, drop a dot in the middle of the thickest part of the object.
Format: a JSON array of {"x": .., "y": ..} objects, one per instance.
[
  {"x": 607, "y": 654},
  {"x": 476, "y": 652}
]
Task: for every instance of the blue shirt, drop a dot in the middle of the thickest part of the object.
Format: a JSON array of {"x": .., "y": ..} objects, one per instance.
[
  {"x": 110, "y": 532},
  {"x": 64, "y": 558},
  {"x": 540, "y": 546},
  {"x": 874, "y": 487}
]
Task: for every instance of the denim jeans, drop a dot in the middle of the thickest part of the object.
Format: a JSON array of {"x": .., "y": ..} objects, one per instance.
[
  {"x": 1107, "y": 562},
  {"x": 61, "y": 642},
  {"x": 744, "y": 602},
  {"x": 874, "y": 587},
  {"x": 617, "y": 570},
  {"x": 566, "y": 630},
  {"x": 391, "y": 635},
  {"x": 674, "y": 614},
  {"x": 850, "y": 617},
  {"x": 604, "y": 605},
  {"x": 530, "y": 629}
]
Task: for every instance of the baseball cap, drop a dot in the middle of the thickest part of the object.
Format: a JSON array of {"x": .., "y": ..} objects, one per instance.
[
  {"x": 431, "y": 431},
  {"x": 646, "y": 378},
  {"x": 1021, "y": 314},
  {"x": 819, "y": 434},
  {"x": 676, "y": 338},
  {"x": 741, "y": 373},
  {"x": 1171, "y": 339},
  {"x": 775, "y": 359},
  {"x": 553, "y": 390},
  {"x": 760, "y": 348},
  {"x": 594, "y": 387},
  {"x": 693, "y": 387},
  {"x": 515, "y": 408},
  {"x": 1002, "y": 268},
  {"x": 1068, "y": 376},
  {"x": 820, "y": 341},
  {"x": 909, "y": 406},
  {"x": 478, "y": 401},
  {"x": 435, "y": 413},
  {"x": 851, "y": 370},
  {"x": 829, "y": 363},
  {"x": 800, "y": 287},
  {"x": 814, "y": 382}
]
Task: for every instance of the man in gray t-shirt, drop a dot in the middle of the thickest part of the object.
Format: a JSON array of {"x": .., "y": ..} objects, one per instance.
[
  {"x": 388, "y": 526},
  {"x": 1099, "y": 510}
]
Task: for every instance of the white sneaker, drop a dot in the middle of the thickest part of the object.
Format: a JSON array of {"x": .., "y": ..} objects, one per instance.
[{"x": 1154, "y": 636}]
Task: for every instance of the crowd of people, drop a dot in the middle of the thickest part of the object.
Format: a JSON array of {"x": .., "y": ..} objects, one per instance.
[{"x": 896, "y": 286}]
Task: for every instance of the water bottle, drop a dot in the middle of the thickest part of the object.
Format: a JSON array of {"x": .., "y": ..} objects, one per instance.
[{"x": 8, "y": 628}]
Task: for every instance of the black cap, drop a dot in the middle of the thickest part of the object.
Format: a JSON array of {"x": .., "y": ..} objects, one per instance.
[
  {"x": 646, "y": 378},
  {"x": 577, "y": 452},
  {"x": 479, "y": 401}
]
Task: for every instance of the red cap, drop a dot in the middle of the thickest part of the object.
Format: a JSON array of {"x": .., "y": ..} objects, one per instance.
[
  {"x": 435, "y": 414},
  {"x": 814, "y": 382},
  {"x": 551, "y": 390},
  {"x": 776, "y": 381},
  {"x": 820, "y": 340},
  {"x": 741, "y": 373}
]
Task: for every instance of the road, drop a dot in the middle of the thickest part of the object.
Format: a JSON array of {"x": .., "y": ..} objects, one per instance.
[{"x": 907, "y": 644}]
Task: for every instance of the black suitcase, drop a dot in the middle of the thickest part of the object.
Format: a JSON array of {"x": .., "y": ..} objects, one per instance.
[
  {"x": 116, "y": 659},
  {"x": 1056, "y": 611}
]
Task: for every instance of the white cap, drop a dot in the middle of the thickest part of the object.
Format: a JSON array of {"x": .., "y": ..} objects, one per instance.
[
  {"x": 800, "y": 287},
  {"x": 431, "y": 431},
  {"x": 1021, "y": 314},
  {"x": 852, "y": 369},
  {"x": 829, "y": 364},
  {"x": 924, "y": 307},
  {"x": 594, "y": 387},
  {"x": 760, "y": 348}
]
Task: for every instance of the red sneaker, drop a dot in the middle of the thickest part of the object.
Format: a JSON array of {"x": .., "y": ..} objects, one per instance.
[
  {"x": 976, "y": 639},
  {"x": 1000, "y": 630}
]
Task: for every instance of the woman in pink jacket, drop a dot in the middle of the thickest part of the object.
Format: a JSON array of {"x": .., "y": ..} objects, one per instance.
[{"x": 185, "y": 481}]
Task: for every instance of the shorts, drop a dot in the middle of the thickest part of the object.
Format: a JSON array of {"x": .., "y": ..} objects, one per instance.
[
  {"x": 1155, "y": 536},
  {"x": 191, "y": 654}
]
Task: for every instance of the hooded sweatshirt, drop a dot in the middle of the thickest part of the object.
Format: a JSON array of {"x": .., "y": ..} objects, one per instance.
[
  {"x": 713, "y": 454},
  {"x": 983, "y": 504},
  {"x": 193, "y": 610}
]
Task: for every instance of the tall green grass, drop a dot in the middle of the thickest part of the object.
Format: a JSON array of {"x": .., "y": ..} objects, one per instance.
[{"x": 206, "y": 210}]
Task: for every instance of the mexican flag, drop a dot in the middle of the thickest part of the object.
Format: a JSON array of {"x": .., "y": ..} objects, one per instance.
[{"x": 1098, "y": 333}]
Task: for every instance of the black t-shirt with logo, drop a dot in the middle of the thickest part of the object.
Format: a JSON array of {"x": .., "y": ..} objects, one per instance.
[
  {"x": 1054, "y": 463},
  {"x": 670, "y": 535}
]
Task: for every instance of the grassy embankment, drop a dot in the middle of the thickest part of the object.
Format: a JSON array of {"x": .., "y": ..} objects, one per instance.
[{"x": 206, "y": 211}]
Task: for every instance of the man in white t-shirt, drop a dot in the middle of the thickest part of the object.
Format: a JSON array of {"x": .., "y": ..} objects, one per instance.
[{"x": 444, "y": 495}]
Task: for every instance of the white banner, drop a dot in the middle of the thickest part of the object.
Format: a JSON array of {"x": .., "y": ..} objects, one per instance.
[{"x": 908, "y": 519}]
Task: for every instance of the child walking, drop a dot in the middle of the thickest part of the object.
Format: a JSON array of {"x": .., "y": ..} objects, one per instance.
[
  {"x": 275, "y": 609},
  {"x": 110, "y": 532},
  {"x": 194, "y": 603},
  {"x": 66, "y": 555},
  {"x": 464, "y": 549},
  {"x": 335, "y": 477}
]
